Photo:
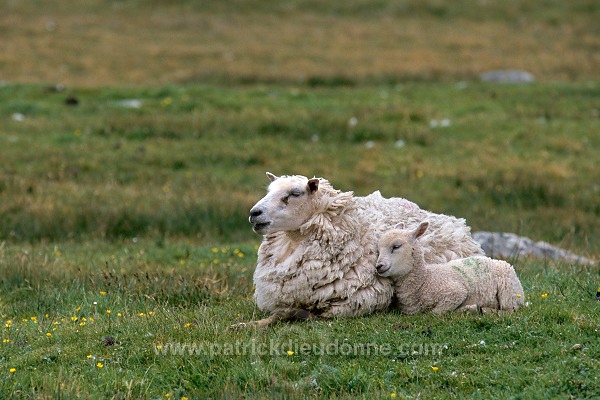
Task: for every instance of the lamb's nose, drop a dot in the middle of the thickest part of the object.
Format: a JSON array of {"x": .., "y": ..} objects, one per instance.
[{"x": 379, "y": 266}]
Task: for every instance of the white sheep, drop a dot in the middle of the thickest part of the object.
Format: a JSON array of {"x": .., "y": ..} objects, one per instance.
[
  {"x": 320, "y": 247},
  {"x": 467, "y": 284}
]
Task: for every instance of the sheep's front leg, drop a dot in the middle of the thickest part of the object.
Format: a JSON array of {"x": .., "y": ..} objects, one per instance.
[{"x": 277, "y": 316}]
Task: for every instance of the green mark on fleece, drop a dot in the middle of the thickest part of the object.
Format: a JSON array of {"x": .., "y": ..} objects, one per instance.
[{"x": 469, "y": 268}]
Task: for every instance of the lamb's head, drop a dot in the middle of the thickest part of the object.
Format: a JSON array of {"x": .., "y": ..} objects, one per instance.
[
  {"x": 396, "y": 250},
  {"x": 287, "y": 205}
]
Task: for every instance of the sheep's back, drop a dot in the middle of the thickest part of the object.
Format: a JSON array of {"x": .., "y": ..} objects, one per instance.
[{"x": 447, "y": 237}]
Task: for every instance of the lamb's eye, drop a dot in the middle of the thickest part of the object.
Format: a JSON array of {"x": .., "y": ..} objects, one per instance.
[{"x": 396, "y": 247}]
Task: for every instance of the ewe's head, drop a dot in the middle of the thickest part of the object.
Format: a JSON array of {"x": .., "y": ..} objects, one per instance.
[
  {"x": 396, "y": 250},
  {"x": 287, "y": 205}
]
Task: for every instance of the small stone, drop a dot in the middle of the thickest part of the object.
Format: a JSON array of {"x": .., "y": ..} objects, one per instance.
[{"x": 507, "y": 76}]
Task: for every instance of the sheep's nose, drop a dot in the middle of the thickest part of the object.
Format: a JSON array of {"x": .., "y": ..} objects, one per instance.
[
  {"x": 254, "y": 213},
  {"x": 379, "y": 266}
]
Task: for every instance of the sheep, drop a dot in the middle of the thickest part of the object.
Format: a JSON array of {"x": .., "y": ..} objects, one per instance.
[
  {"x": 469, "y": 284},
  {"x": 319, "y": 248}
]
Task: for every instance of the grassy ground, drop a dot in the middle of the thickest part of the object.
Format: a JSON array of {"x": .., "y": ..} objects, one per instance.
[
  {"x": 125, "y": 252},
  {"x": 148, "y": 320}
]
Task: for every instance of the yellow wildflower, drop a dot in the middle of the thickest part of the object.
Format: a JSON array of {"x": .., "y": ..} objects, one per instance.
[
  {"x": 108, "y": 312},
  {"x": 99, "y": 365},
  {"x": 393, "y": 395},
  {"x": 544, "y": 295},
  {"x": 215, "y": 250},
  {"x": 434, "y": 368},
  {"x": 48, "y": 334},
  {"x": 119, "y": 315},
  {"x": 89, "y": 356},
  {"x": 102, "y": 293},
  {"x": 290, "y": 353},
  {"x": 12, "y": 370}
]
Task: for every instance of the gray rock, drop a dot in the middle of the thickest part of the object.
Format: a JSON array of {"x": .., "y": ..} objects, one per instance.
[
  {"x": 510, "y": 245},
  {"x": 507, "y": 76}
]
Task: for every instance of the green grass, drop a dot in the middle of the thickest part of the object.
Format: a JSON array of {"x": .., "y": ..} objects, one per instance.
[
  {"x": 191, "y": 160},
  {"x": 143, "y": 211},
  {"x": 165, "y": 296}
]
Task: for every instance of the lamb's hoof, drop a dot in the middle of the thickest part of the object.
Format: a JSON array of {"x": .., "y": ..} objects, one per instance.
[
  {"x": 488, "y": 310},
  {"x": 471, "y": 309}
]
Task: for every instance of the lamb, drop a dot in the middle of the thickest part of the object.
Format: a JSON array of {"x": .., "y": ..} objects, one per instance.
[
  {"x": 470, "y": 284},
  {"x": 319, "y": 248}
]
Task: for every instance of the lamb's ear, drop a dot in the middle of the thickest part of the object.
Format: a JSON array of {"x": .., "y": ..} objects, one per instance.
[
  {"x": 271, "y": 176},
  {"x": 313, "y": 185},
  {"x": 400, "y": 225},
  {"x": 421, "y": 229}
]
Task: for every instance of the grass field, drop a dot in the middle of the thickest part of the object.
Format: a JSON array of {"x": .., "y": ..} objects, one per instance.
[{"x": 125, "y": 251}]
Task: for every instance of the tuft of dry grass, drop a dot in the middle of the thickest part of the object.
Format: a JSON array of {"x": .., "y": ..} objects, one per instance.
[{"x": 111, "y": 44}]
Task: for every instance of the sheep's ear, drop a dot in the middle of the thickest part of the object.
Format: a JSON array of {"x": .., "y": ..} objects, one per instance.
[
  {"x": 400, "y": 225},
  {"x": 421, "y": 229},
  {"x": 313, "y": 185},
  {"x": 271, "y": 176}
]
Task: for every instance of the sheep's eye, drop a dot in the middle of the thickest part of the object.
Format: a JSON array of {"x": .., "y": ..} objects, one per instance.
[
  {"x": 286, "y": 199},
  {"x": 396, "y": 247}
]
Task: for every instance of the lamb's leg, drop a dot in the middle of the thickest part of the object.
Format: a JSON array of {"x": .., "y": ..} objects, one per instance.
[
  {"x": 451, "y": 300},
  {"x": 469, "y": 309},
  {"x": 277, "y": 316},
  {"x": 510, "y": 292}
]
